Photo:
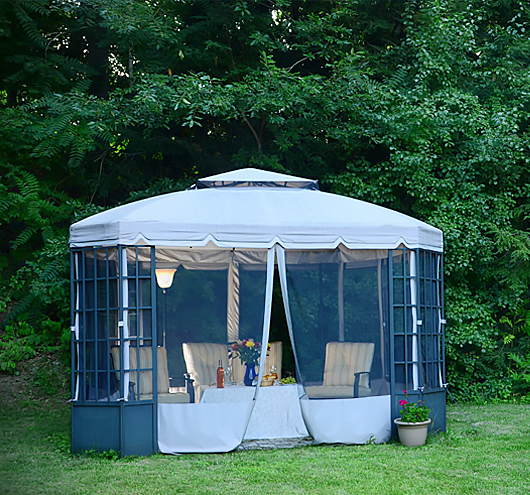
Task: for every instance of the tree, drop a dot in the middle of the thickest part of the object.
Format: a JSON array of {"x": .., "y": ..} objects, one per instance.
[{"x": 418, "y": 106}]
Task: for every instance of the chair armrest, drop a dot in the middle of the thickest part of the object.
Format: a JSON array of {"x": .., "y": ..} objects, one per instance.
[
  {"x": 189, "y": 387},
  {"x": 356, "y": 382}
]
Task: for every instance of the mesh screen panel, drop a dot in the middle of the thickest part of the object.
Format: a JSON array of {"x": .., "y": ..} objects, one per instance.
[{"x": 338, "y": 309}]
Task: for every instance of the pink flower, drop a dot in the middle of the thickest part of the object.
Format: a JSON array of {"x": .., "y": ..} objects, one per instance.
[
  {"x": 404, "y": 391},
  {"x": 402, "y": 402}
]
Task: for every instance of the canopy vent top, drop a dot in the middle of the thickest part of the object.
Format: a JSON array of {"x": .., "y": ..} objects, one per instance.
[{"x": 252, "y": 177}]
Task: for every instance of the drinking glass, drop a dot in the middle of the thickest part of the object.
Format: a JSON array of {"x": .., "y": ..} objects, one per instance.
[{"x": 274, "y": 372}]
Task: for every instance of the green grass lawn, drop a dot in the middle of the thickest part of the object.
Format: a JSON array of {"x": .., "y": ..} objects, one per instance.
[{"x": 34, "y": 459}]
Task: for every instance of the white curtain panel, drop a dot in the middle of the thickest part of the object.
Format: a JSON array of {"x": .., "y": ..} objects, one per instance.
[
  {"x": 267, "y": 314},
  {"x": 348, "y": 421},
  {"x": 202, "y": 428}
]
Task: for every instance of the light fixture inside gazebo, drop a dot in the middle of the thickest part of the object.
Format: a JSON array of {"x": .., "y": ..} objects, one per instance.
[{"x": 164, "y": 277}]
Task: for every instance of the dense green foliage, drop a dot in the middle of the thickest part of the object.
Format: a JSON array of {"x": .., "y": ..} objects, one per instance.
[{"x": 422, "y": 107}]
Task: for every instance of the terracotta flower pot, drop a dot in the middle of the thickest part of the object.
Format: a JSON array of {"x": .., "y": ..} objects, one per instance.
[{"x": 412, "y": 434}]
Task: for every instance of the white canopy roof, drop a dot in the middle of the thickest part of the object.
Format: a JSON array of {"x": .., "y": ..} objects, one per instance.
[{"x": 252, "y": 208}]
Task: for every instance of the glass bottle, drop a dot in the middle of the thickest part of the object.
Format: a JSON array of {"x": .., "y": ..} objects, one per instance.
[{"x": 220, "y": 375}]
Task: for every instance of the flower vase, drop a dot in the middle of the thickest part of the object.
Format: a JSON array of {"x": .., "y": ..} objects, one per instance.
[{"x": 250, "y": 374}]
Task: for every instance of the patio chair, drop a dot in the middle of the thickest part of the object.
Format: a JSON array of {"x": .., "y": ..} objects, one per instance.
[
  {"x": 202, "y": 361},
  {"x": 145, "y": 387},
  {"x": 346, "y": 371}
]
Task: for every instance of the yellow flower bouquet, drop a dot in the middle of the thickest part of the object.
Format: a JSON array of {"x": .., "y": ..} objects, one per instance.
[{"x": 247, "y": 351}]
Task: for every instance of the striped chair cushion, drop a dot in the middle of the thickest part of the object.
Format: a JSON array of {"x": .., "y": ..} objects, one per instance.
[
  {"x": 163, "y": 375},
  {"x": 202, "y": 361},
  {"x": 344, "y": 359},
  {"x": 334, "y": 392},
  {"x": 146, "y": 361}
]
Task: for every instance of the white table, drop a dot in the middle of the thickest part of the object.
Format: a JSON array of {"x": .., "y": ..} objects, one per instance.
[{"x": 276, "y": 413}]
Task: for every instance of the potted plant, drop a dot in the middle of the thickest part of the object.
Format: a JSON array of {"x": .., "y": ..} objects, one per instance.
[{"x": 414, "y": 422}]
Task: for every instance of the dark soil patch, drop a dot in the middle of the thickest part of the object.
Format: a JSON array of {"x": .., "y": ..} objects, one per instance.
[{"x": 39, "y": 379}]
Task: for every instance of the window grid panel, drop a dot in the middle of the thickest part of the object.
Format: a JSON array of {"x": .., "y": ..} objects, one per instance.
[
  {"x": 95, "y": 321},
  {"x": 107, "y": 330},
  {"x": 429, "y": 309},
  {"x": 96, "y": 329},
  {"x": 137, "y": 308}
]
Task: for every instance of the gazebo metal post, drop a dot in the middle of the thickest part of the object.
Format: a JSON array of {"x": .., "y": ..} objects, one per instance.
[
  {"x": 154, "y": 346},
  {"x": 95, "y": 360},
  {"x": 393, "y": 401},
  {"x": 164, "y": 311}
]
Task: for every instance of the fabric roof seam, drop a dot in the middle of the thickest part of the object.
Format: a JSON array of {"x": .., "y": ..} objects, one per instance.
[{"x": 142, "y": 241}]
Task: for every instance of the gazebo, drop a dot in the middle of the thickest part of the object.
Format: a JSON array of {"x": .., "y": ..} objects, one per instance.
[{"x": 172, "y": 294}]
